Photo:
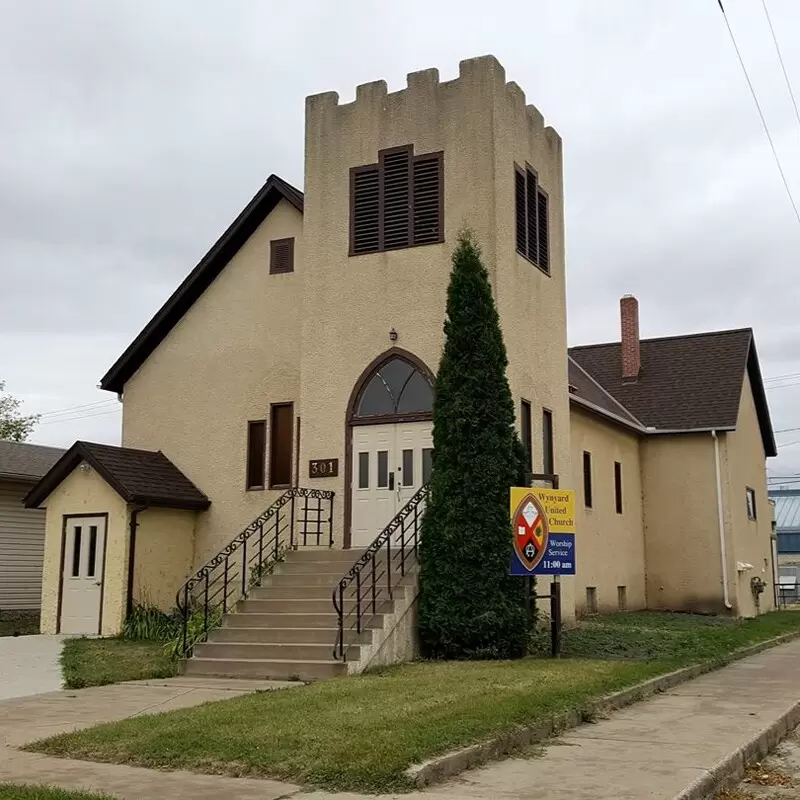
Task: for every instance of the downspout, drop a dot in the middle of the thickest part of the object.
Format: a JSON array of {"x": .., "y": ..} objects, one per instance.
[
  {"x": 134, "y": 524},
  {"x": 722, "y": 547}
]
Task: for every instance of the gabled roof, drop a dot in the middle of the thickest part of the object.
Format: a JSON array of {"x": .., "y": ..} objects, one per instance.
[
  {"x": 200, "y": 278},
  {"x": 20, "y": 461},
  {"x": 587, "y": 392},
  {"x": 686, "y": 383},
  {"x": 139, "y": 476}
]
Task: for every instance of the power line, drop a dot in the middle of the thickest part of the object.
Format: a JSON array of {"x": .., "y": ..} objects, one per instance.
[
  {"x": 760, "y": 112},
  {"x": 80, "y": 417},
  {"x": 782, "y": 377},
  {"x": 782, "y": 386},
  {"x": 780, "y": 58},
  {"x": 72, "y": 409}
]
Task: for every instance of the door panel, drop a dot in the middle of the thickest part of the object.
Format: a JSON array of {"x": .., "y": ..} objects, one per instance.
[
  {"x": 81, "y": 592},
  {"x": 389, "y": 464}
]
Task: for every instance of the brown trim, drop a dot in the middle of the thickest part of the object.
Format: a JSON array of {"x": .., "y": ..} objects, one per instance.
[
  {"x": 273, "y": 246},
  {"x": 350, "y": 421},
  {"x": 439, "y": 154},
  {"x": 254, "y": 487},
  {"x": 59, "y": 603},
  {"x": 297, "y": 453},
  {"x": 103, "y": 579},
  {"x": 270, "y": 426},
  {"x": 132, "y": 527},
  {"x": 524, "y": 172}
]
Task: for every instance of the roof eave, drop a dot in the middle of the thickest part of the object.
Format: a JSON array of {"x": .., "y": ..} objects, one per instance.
[
  {"x": 574, "y": 398},
  {"x": 199, "y": 279},
  {"x": 161, "y": 502}
]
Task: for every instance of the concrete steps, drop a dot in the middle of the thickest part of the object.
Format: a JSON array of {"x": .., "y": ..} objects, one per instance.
[{"x": 287, "y": 628}]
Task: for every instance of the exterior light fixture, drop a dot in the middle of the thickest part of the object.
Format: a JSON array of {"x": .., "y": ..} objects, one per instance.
[{"x": 392, "y": 335}]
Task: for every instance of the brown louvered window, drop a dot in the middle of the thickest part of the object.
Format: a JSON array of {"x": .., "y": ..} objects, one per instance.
[
  {"x": 280, "y": 445},
  {"x": 256, "y": 450},
  {"x": 397, "y": 202},
  {"x": 281, "y": 256},
  {"x": 531, "y": 226}
]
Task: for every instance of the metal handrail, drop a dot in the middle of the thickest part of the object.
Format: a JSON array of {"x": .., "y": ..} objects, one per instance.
[
  {"x": 241, "y": 565},
  {"x": 371, "y": 580}
]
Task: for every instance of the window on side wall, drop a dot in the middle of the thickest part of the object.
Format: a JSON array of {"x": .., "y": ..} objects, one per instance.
[
  {"x": 280, "y": 446},
  {"x": 532, "y": 218},
  {"x": 526, "y": 433},
  {"x": 548, "y": 465},
  {"x": 587, "y": 479},
  {"x": 256, "y": 453},
  {"x": 751, "y": 503},
  {"x": 398, "y": 202},
  {"x": 618, "y": 486}
]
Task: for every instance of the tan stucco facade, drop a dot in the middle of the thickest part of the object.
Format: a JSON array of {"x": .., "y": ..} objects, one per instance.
[
  {"x": 236, "y": 351},
  {"x": 85, "y": 493},
  {"x": 163, "y": 555},
  {"x": 750, "y": 554},
  {"x": 610, "y": 552}
]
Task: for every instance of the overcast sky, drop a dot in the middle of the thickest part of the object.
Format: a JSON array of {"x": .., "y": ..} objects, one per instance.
[{"x": 132, "y": 133}]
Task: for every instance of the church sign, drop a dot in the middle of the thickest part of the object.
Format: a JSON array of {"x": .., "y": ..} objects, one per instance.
[{"x": 543, "y": 523}]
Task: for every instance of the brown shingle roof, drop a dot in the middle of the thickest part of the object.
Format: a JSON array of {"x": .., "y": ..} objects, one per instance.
[
  {"x": 686, "y": 382},
  {"x": 21, "y": 461},
  {"x": 138, "y": 476},
  {"x": 586, "y": 391}
]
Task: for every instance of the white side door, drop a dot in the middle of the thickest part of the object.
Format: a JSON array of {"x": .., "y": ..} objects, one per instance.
[
  {"x": 81, "y": 588},
  {"x": 374, "y": 496}
]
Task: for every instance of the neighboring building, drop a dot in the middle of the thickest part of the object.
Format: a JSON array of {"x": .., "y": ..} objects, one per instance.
[
  {"x": 301, "y": 352},
  {"x": 21, "y": 529},
  {"x": 787, "y": 534}
]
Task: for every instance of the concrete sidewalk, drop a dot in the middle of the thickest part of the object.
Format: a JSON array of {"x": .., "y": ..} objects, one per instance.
[
  {"x": 30, "y": 665},
  {"x": 654, "y": 749}
]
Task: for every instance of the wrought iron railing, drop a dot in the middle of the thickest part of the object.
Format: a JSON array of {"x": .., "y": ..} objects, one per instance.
[
  {"x": 371, "y": 581},
  {"x": 299, "y": 517}
]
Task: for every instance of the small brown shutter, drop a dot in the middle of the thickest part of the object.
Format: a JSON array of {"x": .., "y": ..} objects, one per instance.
[
  {"x": 281, "y": 256},
  {"x": 364, "y": 213},
  {"x": 530, "y": 218},
  {"x": 519, "y": 203},
  {"x": 428, "y": 198},
  {"x": 396, "y": 180},
  {"x": 256, "y": 448},
  {"x": 280, "y": 445},
  {"x": 544, "y": 236}
]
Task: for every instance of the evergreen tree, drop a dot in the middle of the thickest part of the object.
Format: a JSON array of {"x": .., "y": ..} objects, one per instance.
[{"x": 469, "y": 607}]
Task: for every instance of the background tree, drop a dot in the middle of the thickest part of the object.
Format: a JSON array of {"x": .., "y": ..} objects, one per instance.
[
  {"x": 13, "y": 425},
  {"x": 469, "y": 606}
]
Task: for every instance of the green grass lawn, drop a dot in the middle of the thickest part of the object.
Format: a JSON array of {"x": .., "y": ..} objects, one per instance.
[
  {"x": 18, "y": 624},
  {"x": 11, "y": 791},
  {"x": 361, "y": 733},
  {"x": 96, "y": 662}
]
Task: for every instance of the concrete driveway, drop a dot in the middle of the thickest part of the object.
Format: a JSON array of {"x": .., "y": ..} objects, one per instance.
[{"x": 29, "y": 665}]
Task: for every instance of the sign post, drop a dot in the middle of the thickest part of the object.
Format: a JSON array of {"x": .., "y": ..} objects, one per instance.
[{"x": 543, "y": 524}]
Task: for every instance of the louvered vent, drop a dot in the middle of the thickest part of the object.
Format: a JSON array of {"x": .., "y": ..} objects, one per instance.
[
  {"x": 519, "y": 202},
  {"x": 544, "y": 235},
  {"x": 427, "y": 199},
  {"x": 281, "y": 256},
  {"x": 365, "y": 213},
  {"x": 396, "y": 200},
  {"x": 533, "y": 238}
]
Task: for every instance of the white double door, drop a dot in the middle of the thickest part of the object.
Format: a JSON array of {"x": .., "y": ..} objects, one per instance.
[
  {"x": 390, "y": 463},
  {"x": 82, "y": 578}
]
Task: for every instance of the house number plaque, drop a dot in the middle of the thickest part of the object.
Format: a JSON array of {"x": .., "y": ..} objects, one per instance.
[{"x": 323, "y": 468}]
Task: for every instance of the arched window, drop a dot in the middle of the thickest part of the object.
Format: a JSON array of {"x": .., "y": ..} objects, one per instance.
[{"x": 397, "y": 388}]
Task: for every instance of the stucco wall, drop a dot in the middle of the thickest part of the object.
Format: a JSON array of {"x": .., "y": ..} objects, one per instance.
[
  {"x": 483, "y": 127},
  {"x": 163, "y": 557},
  {"x": 681, "y": 523},
  {"x": 85, "y": 492},
  {"x": 610, "y": 547},
  {"x": 749, "y": 540},
  {"x": 235, "y": 351}
]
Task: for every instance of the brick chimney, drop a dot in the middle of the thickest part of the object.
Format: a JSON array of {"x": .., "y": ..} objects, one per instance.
[{"x": 629, "y": 323}]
